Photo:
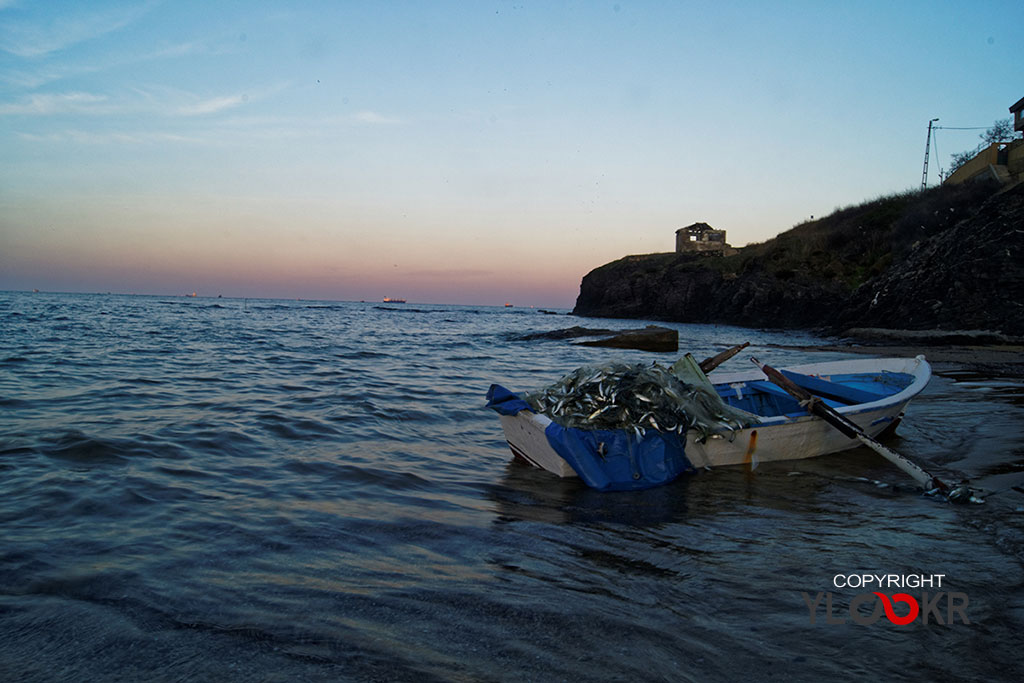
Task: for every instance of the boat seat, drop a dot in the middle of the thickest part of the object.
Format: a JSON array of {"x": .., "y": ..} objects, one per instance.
[
  {"x": 846, "y": 395},
  {"x": 786, "y": 404}
]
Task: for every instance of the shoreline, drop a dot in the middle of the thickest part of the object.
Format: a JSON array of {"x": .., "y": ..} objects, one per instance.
[{"x": 990, "y": 360}]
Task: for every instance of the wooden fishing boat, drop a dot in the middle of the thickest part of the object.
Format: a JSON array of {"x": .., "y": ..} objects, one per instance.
[{"x": 871, "y": 393}]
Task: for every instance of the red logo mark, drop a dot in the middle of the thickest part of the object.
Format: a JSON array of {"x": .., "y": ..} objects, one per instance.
[{"x": 890, "y": 613}]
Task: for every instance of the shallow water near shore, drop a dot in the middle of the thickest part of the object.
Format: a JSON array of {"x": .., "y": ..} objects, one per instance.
[{"x": 276, "y": 490}]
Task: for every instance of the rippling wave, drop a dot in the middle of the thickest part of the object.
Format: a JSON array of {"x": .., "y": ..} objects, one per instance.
[{"x": 256, "y": 489}]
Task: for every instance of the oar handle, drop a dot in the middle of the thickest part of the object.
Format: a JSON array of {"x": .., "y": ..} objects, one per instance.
[{"x": 709, "y": 364}]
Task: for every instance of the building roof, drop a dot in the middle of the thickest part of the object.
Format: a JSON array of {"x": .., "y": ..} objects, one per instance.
[
  {"x": 696, "y": 226},
  {"x": 1017, "y": 106}
]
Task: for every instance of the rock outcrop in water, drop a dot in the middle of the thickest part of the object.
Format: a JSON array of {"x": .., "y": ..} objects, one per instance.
[
  {"x": 650, "y": 338},
  {"x": 950, "y": 258}
]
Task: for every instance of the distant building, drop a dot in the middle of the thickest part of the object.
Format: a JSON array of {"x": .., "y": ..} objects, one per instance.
[
  {"x": 1018, "y": 115},
  {"x": 701, "y": 238},
  {"x": 1002, "y": 161}
]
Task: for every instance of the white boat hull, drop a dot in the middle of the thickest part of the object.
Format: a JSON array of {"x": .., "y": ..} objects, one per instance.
[{"x": 775, "y": 438}]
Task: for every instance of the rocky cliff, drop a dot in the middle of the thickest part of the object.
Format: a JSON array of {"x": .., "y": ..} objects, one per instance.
[{"x": 949, "y": 258}]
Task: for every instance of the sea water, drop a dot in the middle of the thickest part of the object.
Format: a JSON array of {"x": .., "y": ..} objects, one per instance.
[{"x": 200, "y": 489}]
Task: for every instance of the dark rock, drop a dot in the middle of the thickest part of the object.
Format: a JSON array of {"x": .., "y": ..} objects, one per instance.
[
  {"x": 651, "y": 338},
  {"x": 567, "y": 333}
]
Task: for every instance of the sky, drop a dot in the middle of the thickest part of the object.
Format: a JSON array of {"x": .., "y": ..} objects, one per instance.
[{"x": 460, "y": 152}]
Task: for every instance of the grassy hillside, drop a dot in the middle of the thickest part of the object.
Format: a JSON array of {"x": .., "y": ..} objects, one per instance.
[{"x": 856, "y": 243}]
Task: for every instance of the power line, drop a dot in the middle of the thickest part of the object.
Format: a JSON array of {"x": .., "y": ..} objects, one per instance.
[{"x": 933, "y": 139}]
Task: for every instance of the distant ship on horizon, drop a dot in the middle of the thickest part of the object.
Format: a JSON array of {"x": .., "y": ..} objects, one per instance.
[{"x": 389, "y": 300}]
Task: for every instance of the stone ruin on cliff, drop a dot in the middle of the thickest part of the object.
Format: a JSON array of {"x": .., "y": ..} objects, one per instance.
[{"x": 701, "y": 238}]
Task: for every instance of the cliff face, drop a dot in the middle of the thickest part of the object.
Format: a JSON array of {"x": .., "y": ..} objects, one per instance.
[
  {"x": 968, "y": 277},
  {"x": 684, "y": 289},
  {"x": 950, "y": 258}
]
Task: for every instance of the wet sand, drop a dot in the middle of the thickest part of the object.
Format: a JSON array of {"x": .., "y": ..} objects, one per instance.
[{"x": 947, "y": 352}]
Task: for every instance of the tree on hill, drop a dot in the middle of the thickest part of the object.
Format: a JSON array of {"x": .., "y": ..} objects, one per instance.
[{"x": 1001, "y": 131}]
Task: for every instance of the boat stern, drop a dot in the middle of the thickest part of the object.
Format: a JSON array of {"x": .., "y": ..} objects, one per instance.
[{"x": 524, "y": 433}]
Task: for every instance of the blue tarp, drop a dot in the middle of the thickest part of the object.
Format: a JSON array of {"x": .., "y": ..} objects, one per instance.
[
  {"x": 609, "y": 460},
  {"x": 505, "y": 402}
]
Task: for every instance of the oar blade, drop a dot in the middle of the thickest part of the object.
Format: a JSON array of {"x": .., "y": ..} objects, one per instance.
[{"x": 816, "y": 406}]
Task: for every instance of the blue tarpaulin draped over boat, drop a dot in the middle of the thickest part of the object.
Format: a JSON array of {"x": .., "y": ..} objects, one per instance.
[{"x": 610, "y": 460}]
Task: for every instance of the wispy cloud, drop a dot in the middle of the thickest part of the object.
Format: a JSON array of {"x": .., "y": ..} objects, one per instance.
[
  {"x": 159, "y": 101},
  {"x": 195, "y": 105},
  {"x": 72, "y": 24},
  {"x": 34, "y": 74},
  {"x": 373, "y": 118},
  {"x": 179, "y": 50},
  {"x": 106, "y": 138},
  {"x": 29, "y": 79},
  {"x": 55, "y": 103},
  {"x": 213, "y": 105}
]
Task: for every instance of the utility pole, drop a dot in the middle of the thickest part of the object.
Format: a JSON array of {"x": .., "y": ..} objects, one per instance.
[{"x": 927, "y": 147}]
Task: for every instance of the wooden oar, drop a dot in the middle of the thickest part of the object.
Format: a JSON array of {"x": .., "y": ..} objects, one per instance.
[
  {"x": 709, "y": 364},
  {"x": 816, "y": 406}
]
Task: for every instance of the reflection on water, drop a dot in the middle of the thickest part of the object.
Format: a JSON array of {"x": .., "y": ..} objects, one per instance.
[
  {"x": 526, "y": 493},
  {"x": 313, "y": 490}
]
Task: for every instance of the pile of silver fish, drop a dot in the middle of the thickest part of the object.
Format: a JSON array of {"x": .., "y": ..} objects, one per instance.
[{"x": 637, "y": 398}]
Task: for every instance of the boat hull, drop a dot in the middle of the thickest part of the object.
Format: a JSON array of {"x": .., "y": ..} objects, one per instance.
[{"x": 784, "y": 437}]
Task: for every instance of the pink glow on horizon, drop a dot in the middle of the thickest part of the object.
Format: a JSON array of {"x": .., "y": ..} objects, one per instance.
[{"x": 124, "y": 273}]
